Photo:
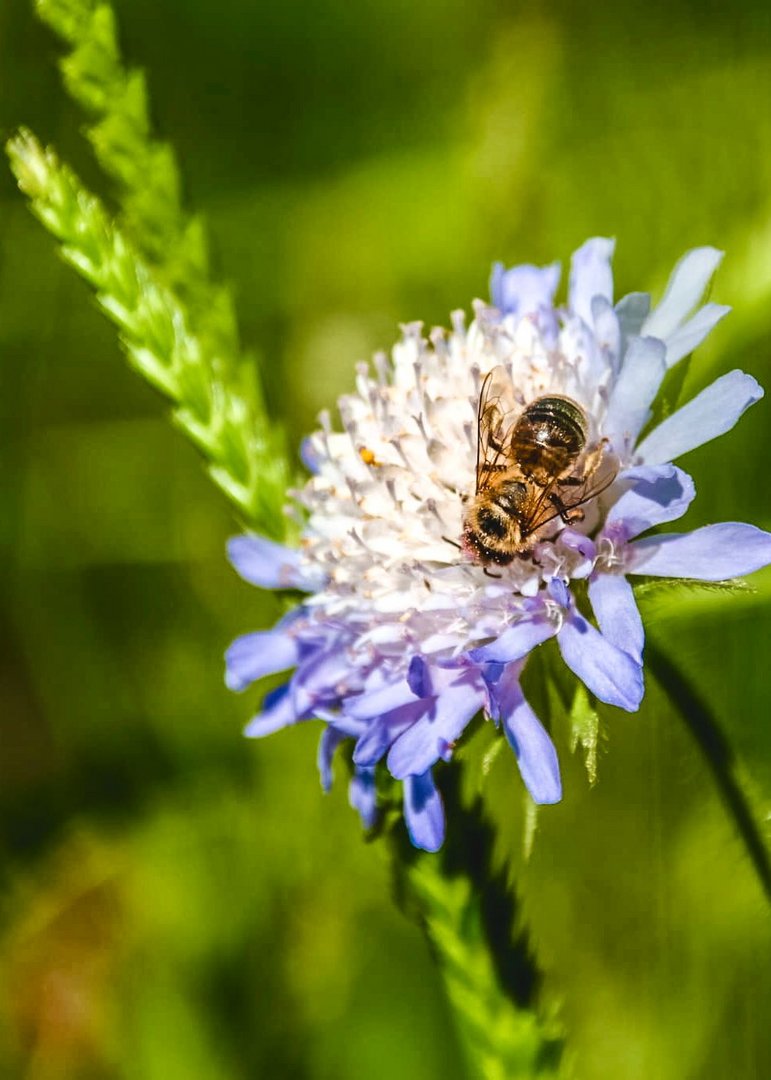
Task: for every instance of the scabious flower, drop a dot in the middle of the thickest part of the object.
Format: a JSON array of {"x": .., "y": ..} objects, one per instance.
[{"x": 401, "y": 638}]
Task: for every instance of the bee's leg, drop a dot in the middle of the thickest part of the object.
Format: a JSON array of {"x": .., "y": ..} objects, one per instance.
[
  {"x": 454, "y": 543},
  {"x": 589, "y": 467},
  {"x": 493, "y": 442},
  {"x": 490, "y": 573},
  {"x": 572, "y": 516},
  {"x": 569, "y": 515},
  {"x": 593, "y": 460}
]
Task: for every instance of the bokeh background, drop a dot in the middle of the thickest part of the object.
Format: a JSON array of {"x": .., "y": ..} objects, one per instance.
[{"x": 178, "y": 902}]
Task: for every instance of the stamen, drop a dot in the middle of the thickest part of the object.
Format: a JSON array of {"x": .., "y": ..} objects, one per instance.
[
  {"x": 438, "y": 339},
  {"x": 391, "y": 488},
  {"x": 382, "y": 367},
  {"x": 420, "y": 420},
  {"x": 458, "y": 320},
  {"x": 395, "y": 441}
]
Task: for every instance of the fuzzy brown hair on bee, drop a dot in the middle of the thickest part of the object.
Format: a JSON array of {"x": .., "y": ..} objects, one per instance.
[{"x": 533, "y": 467}]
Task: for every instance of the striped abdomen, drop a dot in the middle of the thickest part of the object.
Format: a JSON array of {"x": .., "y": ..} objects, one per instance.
[{"x": 548, "y": 437}]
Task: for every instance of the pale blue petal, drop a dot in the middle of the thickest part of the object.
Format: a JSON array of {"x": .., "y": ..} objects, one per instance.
[
  {"x": 576, "y": 541},
  {"x": 252, "y": 656},
  {"x": 591, "y": 275},
  {"x": 632, "y": 311},
  {"x": 659, "y": 493},
  {"x": 611, "y": 674},
  {"x": 711, "y": 413},
  {"x": 346, "y": 725},
  {"x": 277, "y": 712},
  {"x": 264, "y": 563},
  {"x": 384, "y": 730},
  {"x": 529, "y": 740},
  {"x": 615, "y": 609},
  {"x": 423, "y": 812},
  {"x": 582, "y": 545},
  {"x": 328, "y": 743},
  {"x": 309, "y": 454},
  {"x": 323, "y": 678},
  {"x": 515, "y": 642},
  {"x": 559, "y": 591},
  {"x": 524, "y": 289},
  {"x": 692, "y": 333},
  {"x": 607, "y": 329},
  {"x": 432, "y": 736},
  {"x": 637, "y": 384},
  {"x": 714, "y": 553},
  {"x": 419, "y": 677},
  {"x": 382, "y": 700},
  {"x": 685, "y": 288},
  {"x": 362, "y": 796}
]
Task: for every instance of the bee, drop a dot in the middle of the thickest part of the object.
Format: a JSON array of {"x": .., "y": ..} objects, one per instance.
[{"x": 533, "y": 466}]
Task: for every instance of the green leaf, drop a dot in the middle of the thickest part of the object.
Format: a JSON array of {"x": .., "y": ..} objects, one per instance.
[
  {"x": 145, "y": 172},
  {"x": 218, "y": 410},
  {"x": 585, "y": 729}
]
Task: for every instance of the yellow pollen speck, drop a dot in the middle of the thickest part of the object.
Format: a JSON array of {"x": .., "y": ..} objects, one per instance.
[{"x": 367, "y": 456}]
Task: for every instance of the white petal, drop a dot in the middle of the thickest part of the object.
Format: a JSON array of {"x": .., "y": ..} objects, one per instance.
[
  {"x": 685, "y": 288},
  {"x": 711, "y": 413}
]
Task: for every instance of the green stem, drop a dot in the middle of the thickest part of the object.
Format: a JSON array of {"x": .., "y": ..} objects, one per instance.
[
  {"x": 720, "y": 757},
  {"x": 489, "y": 972}
]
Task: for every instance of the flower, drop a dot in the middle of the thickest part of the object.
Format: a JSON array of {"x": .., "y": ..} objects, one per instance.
[{"x": 401, "y": 637}]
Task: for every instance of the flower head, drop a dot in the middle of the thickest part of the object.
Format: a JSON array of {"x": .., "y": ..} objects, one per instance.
[{"x": 404, "y": 633}]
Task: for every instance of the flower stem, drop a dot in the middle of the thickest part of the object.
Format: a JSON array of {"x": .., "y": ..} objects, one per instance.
[
  {"x": 489, "y": 972},
  {"x": 726, "y": 768}
]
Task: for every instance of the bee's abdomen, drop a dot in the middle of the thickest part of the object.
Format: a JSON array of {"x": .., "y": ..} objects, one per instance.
[{"x": 549, "y": 436}]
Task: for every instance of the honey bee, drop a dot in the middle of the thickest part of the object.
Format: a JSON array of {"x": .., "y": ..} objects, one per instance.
[{"x": 533, "y": 466}]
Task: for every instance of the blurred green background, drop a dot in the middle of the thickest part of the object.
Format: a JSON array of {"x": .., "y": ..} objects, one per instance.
[{"x": 178, "y": 902}]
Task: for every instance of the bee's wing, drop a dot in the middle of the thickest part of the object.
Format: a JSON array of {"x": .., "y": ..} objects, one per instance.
[
  {"x": 567, "y": 494},
  {"x": 496, "y": 417}
]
